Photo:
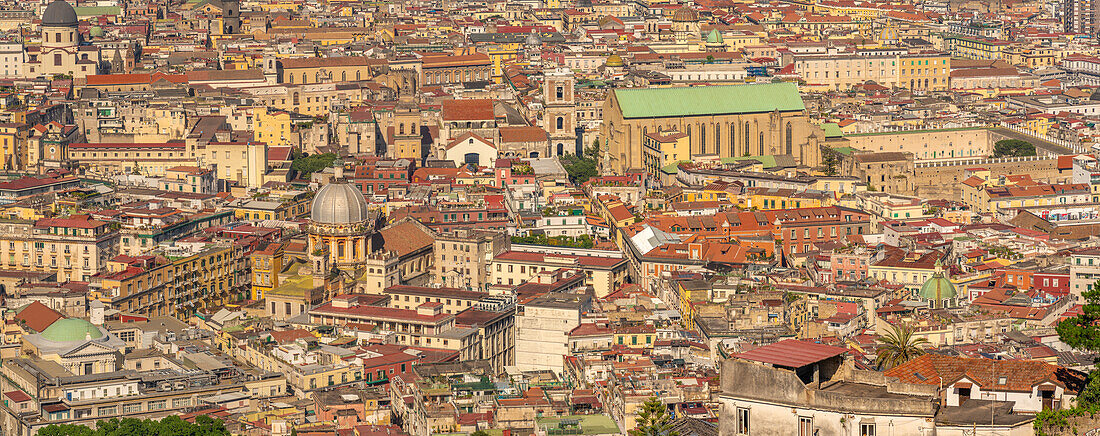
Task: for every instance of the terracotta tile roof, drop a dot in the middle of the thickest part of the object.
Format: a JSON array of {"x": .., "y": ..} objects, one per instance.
[
  {"x": 406, "y": 237},
  {"x": 464, "y": 110},
  {"x": 347, "y": 61},
  {"x": 1018, "y": 375},
  {"x": 288, "y": 336},
  {"x": 17, "y": 396},
  {"x": 522, "y": 134},
  {"x": 37, "y": 316},
  {"x": 792, "y": 353}
]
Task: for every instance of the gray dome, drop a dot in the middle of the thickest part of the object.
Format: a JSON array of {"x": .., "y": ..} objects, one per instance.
[
  {"x": 339, "y": 203},
  {"x": 59, "y": 13}
]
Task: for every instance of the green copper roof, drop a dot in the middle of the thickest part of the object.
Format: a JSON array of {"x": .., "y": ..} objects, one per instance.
[
  {"x": 715, "y": 37},
  {"x": 767, "y": 161},
  {"x": 71, "y": 330},
  {"x": 832, "y": 130},
  {"x": 708, "y": 100},
  {"x": 95, "y": 11},
  {"x": 938, "y": 288}
]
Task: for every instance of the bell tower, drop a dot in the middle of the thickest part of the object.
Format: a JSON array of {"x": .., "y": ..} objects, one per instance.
[{"x": 560, "y": 107}]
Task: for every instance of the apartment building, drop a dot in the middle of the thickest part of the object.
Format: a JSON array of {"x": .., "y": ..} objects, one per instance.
[
  {"x": 75, "y": 248},
  {"x": 179, "y": 281},
  {"x": 1084, "y": 271},
  {"x": 453, "y": 300},
  {"x": 462, "y": 257},
  {"x": 834, "y": 69},
  {"x": 426, "y": 325},
  {"x": 604, "y": 274}
]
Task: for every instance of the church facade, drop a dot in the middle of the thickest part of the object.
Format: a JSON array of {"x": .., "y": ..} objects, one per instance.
[{"x": 61, "y": 51}]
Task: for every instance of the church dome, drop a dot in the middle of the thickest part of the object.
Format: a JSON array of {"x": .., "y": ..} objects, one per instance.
[
  {"x": 533, "y": 39},
  {"x": 685, "y": 15},
  {"x": 71, "y": 330},
  {"x": 715, "y": 37},
  {"x": 59, "y": 13},
  {"x": 339, "y": 203},
  {"x": 614, "y": 61},
  {"x": 938, "y": 288},
  {"x": 96, "y": 32}
]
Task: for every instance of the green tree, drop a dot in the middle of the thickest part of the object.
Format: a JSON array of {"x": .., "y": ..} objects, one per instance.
[
  {"x": 830, "y": 160},
  {"x": 653, "y": 420},
  {"x": 898, "y": 346},
  {"x": 65, "y": 430},
  {"x": 1082, "y": 331},
  {"x": 169, "y": 426},
  {"x": 306, "y": 165},
  {"x": 480, "y": 433},
  {"x": 584, "y": 167},
  {"x": 1013, "y": 147}
]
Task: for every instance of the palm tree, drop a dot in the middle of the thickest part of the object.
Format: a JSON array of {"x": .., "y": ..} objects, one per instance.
[{"x": 898, "y": 346}]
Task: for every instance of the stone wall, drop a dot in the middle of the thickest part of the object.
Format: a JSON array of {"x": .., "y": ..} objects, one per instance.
[
  {"x": 941, "y": 180},
  {"x": 927, "y": 144}
]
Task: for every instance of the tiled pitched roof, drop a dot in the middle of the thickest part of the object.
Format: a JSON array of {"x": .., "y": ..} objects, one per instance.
[
  {"x": 37, "y": 316},
  {"x": 1019, "y": 375}
]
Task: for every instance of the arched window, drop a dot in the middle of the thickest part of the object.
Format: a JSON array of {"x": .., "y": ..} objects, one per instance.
[
  {"x": 702, "y": 139},
  {"x": 733, "y": 138},
  {"x": 747, "y": 140},
  {"x": 560, "y": 123},
  {"x": 290, "y": 78},
  {"x": 689, "y": 133},
  {"x": 560, "y": 93},
  {"x": 401, "y": 129},
  {"x": 317, "y": 77},
  {"x": 790, "y": 139},
  {"x": 304, "y": 79},
  {"x": 343, "y": 76},
  {"x": 761, "y": 143},
  {"x": 358, "y": 75},
  {"x": 718, "y": 139}
]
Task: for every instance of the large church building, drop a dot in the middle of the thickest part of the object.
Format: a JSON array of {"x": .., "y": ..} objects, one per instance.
[
  {"x": 61, "y": 51},
  {"x": 722, "y": 121}
]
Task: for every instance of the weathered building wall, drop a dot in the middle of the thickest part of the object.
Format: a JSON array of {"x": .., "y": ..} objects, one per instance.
[
  {"x": 942, "y": 180},
  {"x": 928, "y": 144}
]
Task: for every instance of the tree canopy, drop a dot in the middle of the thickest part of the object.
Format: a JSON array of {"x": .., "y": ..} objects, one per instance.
[
  {"x": 898, "y": 346},
  {"x": 1082, "y": 332},
  {"x": 306, "y": 165},
  {"x": 582, "y": 168},
  {"x": 653, "y": 420},
  {"x": 1013, "y": 147},
  {"x": 169, "y": 426}
]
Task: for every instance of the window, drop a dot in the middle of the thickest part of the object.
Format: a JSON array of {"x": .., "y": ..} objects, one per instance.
[
  {"x": 805, "y": 426},
  {"x": 742, "y": 420},
  {"x": 867, "y": 429}
]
